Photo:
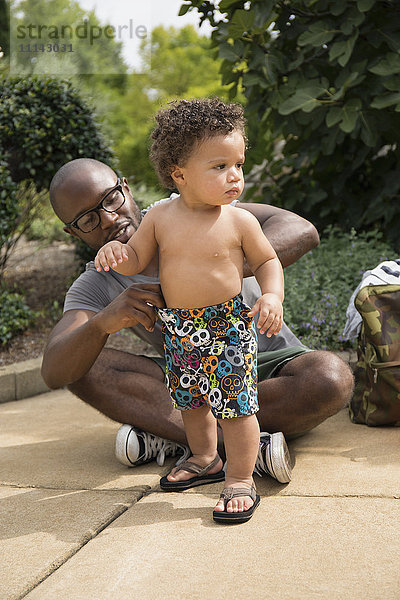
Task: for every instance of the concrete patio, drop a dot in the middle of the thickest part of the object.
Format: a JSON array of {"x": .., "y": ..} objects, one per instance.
[{"x": 76, "y": 524}]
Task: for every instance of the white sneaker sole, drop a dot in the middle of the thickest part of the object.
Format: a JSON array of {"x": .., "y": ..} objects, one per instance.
[
  {"x": 278, "y": 458},
  {"x": 122, "y": 441}
]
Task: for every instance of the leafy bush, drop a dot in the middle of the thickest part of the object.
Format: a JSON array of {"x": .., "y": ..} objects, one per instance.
[
  {"x": 8, "y": 203},
  {"x": 44, "y": 123},
  {"x": 318, "y": 287},
  {"x": 46, "y": 226},
  {"x": 47, "y": 230},
  {"x": 15, "y": 315}
]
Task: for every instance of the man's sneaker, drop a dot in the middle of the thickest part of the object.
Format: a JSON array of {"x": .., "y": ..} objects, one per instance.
[
  {"x": 135, "y": 447},
  {"x": 273, "y": 457}
]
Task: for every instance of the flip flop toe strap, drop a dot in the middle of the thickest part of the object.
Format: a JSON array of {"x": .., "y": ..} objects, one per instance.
[
  {"x": 234, "y": 492},
  {"x": 192, "y": 467}
]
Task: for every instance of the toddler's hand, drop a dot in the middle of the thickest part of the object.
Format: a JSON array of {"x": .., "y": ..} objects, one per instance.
[
  {"x": 271, "y": 314},
  {"x": 110, "y": 255}
]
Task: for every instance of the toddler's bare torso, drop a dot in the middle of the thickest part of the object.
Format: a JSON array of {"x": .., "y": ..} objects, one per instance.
[{"x": 201, "y": 256}]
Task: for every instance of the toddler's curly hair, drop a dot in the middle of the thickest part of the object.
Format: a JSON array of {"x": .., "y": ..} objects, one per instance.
[{"x": 185, "y": 123}]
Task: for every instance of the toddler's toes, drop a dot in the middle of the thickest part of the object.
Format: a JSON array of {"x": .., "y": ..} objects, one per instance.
[{"x": 219, "y": 507}]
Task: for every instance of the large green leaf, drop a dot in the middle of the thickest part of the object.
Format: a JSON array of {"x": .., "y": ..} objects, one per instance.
[
  {"x": 353, "y": 19},
  {"x": 183, "y": 9},
  {"x": 305, "y": 98},
  {"x": 252, "y": 78},
  {"x": 333, "y": 116},
  {"x": 227, "y": 51},
  {"x": 393, "y": 83},
  {"x": 386, "y": 100},
  {"x": 339, "y": 7},
  {"x": 350, "y": 114},
  {"x": 345, "y": 81},
  {"x": 319, "y": 33},
  {"x": 346, "y": 116},
  {"x": 337, "y": 49},
  {"x": 348, "y": 49},
  {"x": 388, "y": 65},
  {"x": 271, "y": 67},
  {"x": 365, "y": 5},
  {"x": 242, "y": 22},
  {"x": 369, "y": 134},
  {"x": 224, "y": 4}
]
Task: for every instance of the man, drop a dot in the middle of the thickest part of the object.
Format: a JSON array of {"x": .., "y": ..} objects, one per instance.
[{"x": 297, "y": 390}]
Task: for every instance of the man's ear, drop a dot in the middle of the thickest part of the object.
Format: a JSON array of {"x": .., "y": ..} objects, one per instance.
[
  {"x": 178, "y": 175},
  {"x": 125, "y": 183},
  {"x": 71, "y": 231}
]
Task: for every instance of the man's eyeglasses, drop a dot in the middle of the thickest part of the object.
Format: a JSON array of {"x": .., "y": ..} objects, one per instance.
[{"x": 111, "y": 202}]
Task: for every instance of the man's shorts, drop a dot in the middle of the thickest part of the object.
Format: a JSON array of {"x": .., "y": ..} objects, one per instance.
[
  {"x": 211, "y": 358},
  {"x": 268, "y": 363}
]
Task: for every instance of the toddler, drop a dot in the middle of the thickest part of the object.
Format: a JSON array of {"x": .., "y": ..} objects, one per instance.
[{"x": 209, "y": 334}]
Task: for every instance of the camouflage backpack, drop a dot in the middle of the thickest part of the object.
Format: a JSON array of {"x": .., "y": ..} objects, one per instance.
[{"x": 376, "y": 399}]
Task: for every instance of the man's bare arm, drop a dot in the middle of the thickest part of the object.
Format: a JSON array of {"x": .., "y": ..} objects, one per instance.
[
  {"x": 290, "y": 236},
  {"x": 79, "y": 337}
]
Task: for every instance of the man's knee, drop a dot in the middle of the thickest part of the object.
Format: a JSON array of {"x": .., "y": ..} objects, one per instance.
[
  {"x": 336, "y": 375},
  {"x": 101, "y": 375},
  {"x": 334, "y": 378},
  {"x": 115, "y": 369},
  {"x": 327, "y": 373}
]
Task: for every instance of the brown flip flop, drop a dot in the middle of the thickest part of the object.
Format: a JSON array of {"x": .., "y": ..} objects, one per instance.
[
  {"x": 227, "y": 494},
  {"x": 201, "y": 477}
]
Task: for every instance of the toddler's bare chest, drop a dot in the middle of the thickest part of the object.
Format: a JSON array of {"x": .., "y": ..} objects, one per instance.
[{"x": 208, "y": 239}]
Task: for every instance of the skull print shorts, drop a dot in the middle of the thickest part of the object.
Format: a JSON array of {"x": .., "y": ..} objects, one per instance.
[{"x": 211, "y": 358}]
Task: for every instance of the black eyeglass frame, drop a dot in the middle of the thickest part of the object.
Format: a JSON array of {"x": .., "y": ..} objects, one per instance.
[{"x": 118, "y": 186}]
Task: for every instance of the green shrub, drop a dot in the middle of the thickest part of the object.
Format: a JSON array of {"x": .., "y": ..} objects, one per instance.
[
  {"x": 44, "y": 123},
  {"x": 318, "y": 287},
  {"x": 322, "y": 75},
  {"x": 46, "y": 227},
  {"x": 15, "y": 315},
  {"x": 8, "y": 203},
  {"x": 144, "y": 195},
  {"x": 46, "y": 230}
]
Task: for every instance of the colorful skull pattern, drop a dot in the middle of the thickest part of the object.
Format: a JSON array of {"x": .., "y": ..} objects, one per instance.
[{"x": 211, "y": 358}]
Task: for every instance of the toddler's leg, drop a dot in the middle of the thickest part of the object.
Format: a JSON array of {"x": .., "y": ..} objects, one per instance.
[
  {"x": 242, "y": 438},
  {"x": 201, "y": 433}
]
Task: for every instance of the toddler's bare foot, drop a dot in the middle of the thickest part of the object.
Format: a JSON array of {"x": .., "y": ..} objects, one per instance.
[{"x": 240, "y": 503}]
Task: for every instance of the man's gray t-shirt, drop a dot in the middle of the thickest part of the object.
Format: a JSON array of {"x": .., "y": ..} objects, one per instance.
[{"x": 94, "y": 290}]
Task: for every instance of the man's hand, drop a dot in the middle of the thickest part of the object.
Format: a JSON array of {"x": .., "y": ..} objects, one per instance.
[
  {"x": 135, "y": 305},
  {"x": 270, "y": 312},
  {"x": 110, "y": 255}
]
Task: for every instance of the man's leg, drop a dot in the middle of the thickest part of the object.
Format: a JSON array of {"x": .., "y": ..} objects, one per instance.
[
  {"x": 130, "y": 389},
  {"x": 308, "y": 389}
]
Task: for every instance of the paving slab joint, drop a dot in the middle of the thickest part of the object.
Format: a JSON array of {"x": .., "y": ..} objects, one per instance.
[{"x": 89, "y": 536}]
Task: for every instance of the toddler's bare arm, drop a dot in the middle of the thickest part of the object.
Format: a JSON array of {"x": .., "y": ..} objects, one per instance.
[
  {"x": 265, "y": 265},
  {"x": 132, "y": 257}
]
